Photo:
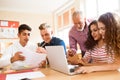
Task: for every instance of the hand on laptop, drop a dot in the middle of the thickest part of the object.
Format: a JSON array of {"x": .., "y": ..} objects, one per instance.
[
  {"x": 17, "y": 57},
  {"x": 84, "y": 69}
]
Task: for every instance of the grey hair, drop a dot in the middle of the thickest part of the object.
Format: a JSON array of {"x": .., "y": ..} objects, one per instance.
[{"x": 75, "y": 13}]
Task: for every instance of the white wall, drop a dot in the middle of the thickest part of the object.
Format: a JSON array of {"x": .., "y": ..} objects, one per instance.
[{"x": 32, "y": 19}]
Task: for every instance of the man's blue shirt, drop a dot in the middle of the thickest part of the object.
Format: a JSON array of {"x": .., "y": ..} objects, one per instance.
[{"x": 54, "y": 42}]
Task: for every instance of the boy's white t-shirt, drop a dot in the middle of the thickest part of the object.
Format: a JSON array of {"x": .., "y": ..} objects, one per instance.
[{"x": 12, "y": 49}]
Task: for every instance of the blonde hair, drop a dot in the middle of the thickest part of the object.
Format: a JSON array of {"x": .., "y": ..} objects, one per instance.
[{"x": 44, "y": 26}]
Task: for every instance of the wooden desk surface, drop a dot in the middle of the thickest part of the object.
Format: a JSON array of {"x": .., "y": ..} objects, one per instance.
[{"x": 55, "y": 75}]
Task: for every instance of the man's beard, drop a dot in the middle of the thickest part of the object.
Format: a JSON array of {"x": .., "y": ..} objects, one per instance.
[{"x": 81, "y": 28}]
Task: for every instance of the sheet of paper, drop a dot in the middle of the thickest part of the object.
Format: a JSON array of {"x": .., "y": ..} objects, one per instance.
[
  {"x": 32, "y": 59},
  {"x": 29, "y": 75}
]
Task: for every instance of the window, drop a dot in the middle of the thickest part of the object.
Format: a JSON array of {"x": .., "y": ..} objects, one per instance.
[
  {"x": 107, "y": 5},
  {"x": 91, "y": 8},
  {"x": 64, "y": 23},
  {"x": 94, "y": 8},
  {"x": 59, "y": 21},
  {"x": 66, "y": 18}
]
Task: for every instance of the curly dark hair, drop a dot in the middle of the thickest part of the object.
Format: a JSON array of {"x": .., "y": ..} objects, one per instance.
[
  {"x": 111, "y": 34},
  {"x": 90, "y": 42}
]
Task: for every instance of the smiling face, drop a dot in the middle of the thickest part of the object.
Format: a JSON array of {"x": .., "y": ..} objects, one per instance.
[
  {"x": 95, "y": 32},
  {"x": 24, "y": 37},
  {"x": 46, "y": 35},
  {"x": 79, "y": 21},
  {"x": 101, "y": 28}
]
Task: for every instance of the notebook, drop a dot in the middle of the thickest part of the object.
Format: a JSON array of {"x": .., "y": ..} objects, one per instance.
[{"x": 58, "y": 61}]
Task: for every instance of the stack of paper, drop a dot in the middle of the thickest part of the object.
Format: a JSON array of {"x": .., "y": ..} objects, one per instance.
[
  {"x": 29, "y": 75},
  {"x": 32, "y": 60}
]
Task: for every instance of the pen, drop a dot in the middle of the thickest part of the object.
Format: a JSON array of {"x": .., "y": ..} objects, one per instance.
[{"x": 41, "y": 45}]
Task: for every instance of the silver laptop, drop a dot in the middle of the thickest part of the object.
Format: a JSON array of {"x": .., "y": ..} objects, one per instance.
[{"x": 58, "y": 61}]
